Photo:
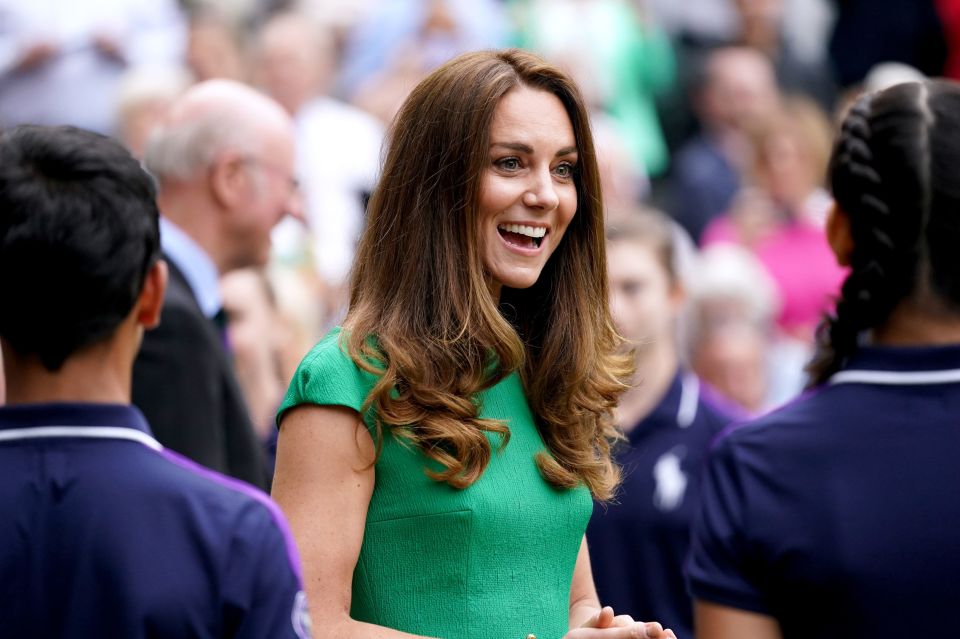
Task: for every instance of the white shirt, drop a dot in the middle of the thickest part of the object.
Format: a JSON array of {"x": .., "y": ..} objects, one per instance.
[{"x": 197, "y": 267}]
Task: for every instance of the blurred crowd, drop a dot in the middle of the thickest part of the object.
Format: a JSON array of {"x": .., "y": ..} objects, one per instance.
[{"x": 717, "y": 112}]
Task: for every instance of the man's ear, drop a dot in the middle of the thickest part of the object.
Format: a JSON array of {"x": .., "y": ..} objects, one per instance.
[
  {"x": 151, "y": 297},
  {"x": 839, "y": 235},
  {"x": 226, "y": 179}
]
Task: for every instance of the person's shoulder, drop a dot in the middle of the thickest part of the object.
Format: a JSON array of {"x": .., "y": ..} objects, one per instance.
[
  {"x": 328, "y": 375},
  {"x": 801, "y": 416},
  {"x": 222, "y": 502}
]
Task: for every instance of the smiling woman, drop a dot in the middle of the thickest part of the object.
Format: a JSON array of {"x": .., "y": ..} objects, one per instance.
[
  {"x": 527, "y": 195},
  {"x": 437, "y": 453}
]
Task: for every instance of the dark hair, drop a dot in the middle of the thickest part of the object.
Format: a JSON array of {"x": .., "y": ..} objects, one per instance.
[
  {"x": 893, "y": 172},
  {"x": 418, "y": 286},
  {"x": 79, "y": 229}
]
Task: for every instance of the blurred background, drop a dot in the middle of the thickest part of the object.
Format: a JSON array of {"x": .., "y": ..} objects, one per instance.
[{"x": 717, "y": 112}]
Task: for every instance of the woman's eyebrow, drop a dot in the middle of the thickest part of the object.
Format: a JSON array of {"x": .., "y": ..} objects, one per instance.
[{"x": 526, "y": 148}]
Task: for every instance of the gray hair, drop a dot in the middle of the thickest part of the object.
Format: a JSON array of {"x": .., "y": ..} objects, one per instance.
[{"x": 179, "y": 150}]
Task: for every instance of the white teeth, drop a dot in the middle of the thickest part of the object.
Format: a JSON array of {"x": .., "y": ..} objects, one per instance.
[{"x": 522, "y": 229}]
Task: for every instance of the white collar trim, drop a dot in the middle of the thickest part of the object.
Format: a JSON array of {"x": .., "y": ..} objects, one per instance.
[
  {"x": 689, "y": 398},
  {"x": 950, "y": 376},
  {"x": 93, "y": 432}
]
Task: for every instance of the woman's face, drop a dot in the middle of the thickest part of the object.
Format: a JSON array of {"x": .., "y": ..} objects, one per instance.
[
  {"x": 527, "y": 192},
  {"x": 644, "y": 302}
]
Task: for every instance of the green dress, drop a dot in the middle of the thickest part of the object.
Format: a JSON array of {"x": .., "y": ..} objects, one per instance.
[{"x": 494, "y": 560}]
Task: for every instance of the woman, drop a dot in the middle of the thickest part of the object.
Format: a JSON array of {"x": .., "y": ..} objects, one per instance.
[
  {"x": 638, "y": 545},
  {"x": 437, "y": 454},
  {"x": 836, "y": 516},
  {"x": 781, "y": 219}
]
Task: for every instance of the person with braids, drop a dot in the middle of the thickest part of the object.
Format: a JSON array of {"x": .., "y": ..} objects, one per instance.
[
  {"x": 837, "y": 515},
  {"x": 438, "y": 451}
]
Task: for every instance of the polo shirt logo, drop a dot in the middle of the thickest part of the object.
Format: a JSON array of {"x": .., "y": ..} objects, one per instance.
[
  {"x": 671, "y": 480},
  {"x": 300, "y": 617}
]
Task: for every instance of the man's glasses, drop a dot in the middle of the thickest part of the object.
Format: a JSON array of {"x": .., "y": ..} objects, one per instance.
[{"x": 292, "y": 182}]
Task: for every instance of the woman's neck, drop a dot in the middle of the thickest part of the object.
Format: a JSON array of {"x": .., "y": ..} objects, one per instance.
[
  {"x": 657, "y": 365},
  {"x": 912, "y": 324}
]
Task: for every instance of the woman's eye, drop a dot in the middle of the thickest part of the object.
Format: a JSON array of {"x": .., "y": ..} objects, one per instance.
[
  {"x": 508, "y": 164},
  {"x": 565, "y": 170}
]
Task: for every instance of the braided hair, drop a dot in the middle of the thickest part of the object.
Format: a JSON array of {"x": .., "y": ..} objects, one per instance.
[{"x": 893, "y": 173}]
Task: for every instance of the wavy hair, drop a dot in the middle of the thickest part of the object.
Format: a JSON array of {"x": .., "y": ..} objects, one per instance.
[
  {"x": 421, "y": 315},
  {"x": 893, "y": 173}
]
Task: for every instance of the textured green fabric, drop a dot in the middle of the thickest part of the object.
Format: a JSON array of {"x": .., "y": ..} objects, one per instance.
[{"x": 492, "y": 561}]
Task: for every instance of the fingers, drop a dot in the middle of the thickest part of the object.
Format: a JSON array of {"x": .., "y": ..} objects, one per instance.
[
  {"x": 634, "y": 630},
  {"x": 603, "y": 619},
  {"x": 623, "y": 620}
]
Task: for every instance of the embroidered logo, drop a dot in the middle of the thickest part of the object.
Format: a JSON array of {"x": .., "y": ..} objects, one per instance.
[
  {"x": 300, "y": 617},
  {"x": 671, "y": 480}
]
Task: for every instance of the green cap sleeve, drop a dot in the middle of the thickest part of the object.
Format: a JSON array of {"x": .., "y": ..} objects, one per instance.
[{"x": 328, "y": 376}]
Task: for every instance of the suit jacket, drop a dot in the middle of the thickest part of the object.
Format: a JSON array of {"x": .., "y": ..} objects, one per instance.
[{"x": 183, "y": 381}]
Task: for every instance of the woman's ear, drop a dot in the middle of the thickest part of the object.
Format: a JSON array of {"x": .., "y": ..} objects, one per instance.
[{"x": 839, "y": 235}]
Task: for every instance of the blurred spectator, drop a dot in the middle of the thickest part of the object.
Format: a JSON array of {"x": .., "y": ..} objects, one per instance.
[
  {"x": 144, "y": 96},
  {"x": 3, "y": 385},
  {"x": 638, "y": 544},
  {"x": 732, "y": 306},
  {"x": 224, "y": 160},
  {"x": 257, "y": 334},
  {"x": 338, "y": 147},
  {"x": 215, "y": 46},
  {"x": 402, "y": 40},
  {"x": 869, "y": 32},
  {"x": 762, "y": 24},
  {"x": 738, "y": 95},
  {"x": 61, "y": 61},
  {"x": 781, "y": 216},
  {"x": 621, "y": 62}
]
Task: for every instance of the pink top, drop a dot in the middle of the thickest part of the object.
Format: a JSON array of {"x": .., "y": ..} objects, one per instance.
[{"x": 798, "y": 258}]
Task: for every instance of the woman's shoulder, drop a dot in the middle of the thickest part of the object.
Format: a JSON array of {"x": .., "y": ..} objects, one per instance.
[{"x": 328, "y": 375}]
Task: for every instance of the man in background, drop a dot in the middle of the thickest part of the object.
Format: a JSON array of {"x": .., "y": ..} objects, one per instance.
[{"x": 224, "y": 159}]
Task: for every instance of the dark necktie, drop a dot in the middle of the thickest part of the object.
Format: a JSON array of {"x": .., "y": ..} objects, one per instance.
[{"x": 221, "y": 320}]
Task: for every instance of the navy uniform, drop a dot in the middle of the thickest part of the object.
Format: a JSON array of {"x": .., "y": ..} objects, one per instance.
[
  {"x": 839, "y": 514},
  {"x": 103, "y": 533},
  {"x": 638, "y": 544}
]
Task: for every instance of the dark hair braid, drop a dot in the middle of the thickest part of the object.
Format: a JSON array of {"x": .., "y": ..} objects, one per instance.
[{"x": 879, "y": 174}]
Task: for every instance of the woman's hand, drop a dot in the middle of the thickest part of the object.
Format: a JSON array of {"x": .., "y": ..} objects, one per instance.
[{"x": 606, "y": 625}]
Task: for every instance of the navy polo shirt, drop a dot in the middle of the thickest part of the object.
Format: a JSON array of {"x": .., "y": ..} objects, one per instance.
[
  {"x": 839, "y": 514},
  {"x": 103, "y": 533},
  {"x": 638, "y": 544}
]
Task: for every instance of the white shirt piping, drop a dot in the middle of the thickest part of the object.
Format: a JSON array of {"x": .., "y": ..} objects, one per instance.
[
  {"x": 950, "y": 376},
  {"x": 92, "y": 432}
]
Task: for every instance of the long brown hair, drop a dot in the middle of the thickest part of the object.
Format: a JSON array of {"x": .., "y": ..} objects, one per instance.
[{"x": 421, "y": 314}]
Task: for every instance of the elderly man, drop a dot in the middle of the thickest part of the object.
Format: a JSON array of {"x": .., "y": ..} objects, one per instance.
[
  {"x": 103, "y": 532},
  {"x": 224, "y": 159}
]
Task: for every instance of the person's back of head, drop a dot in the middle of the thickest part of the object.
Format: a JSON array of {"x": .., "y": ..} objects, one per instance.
[
  {"x": 78, "y": 234},
  {"x": 897, "y": 224}
]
